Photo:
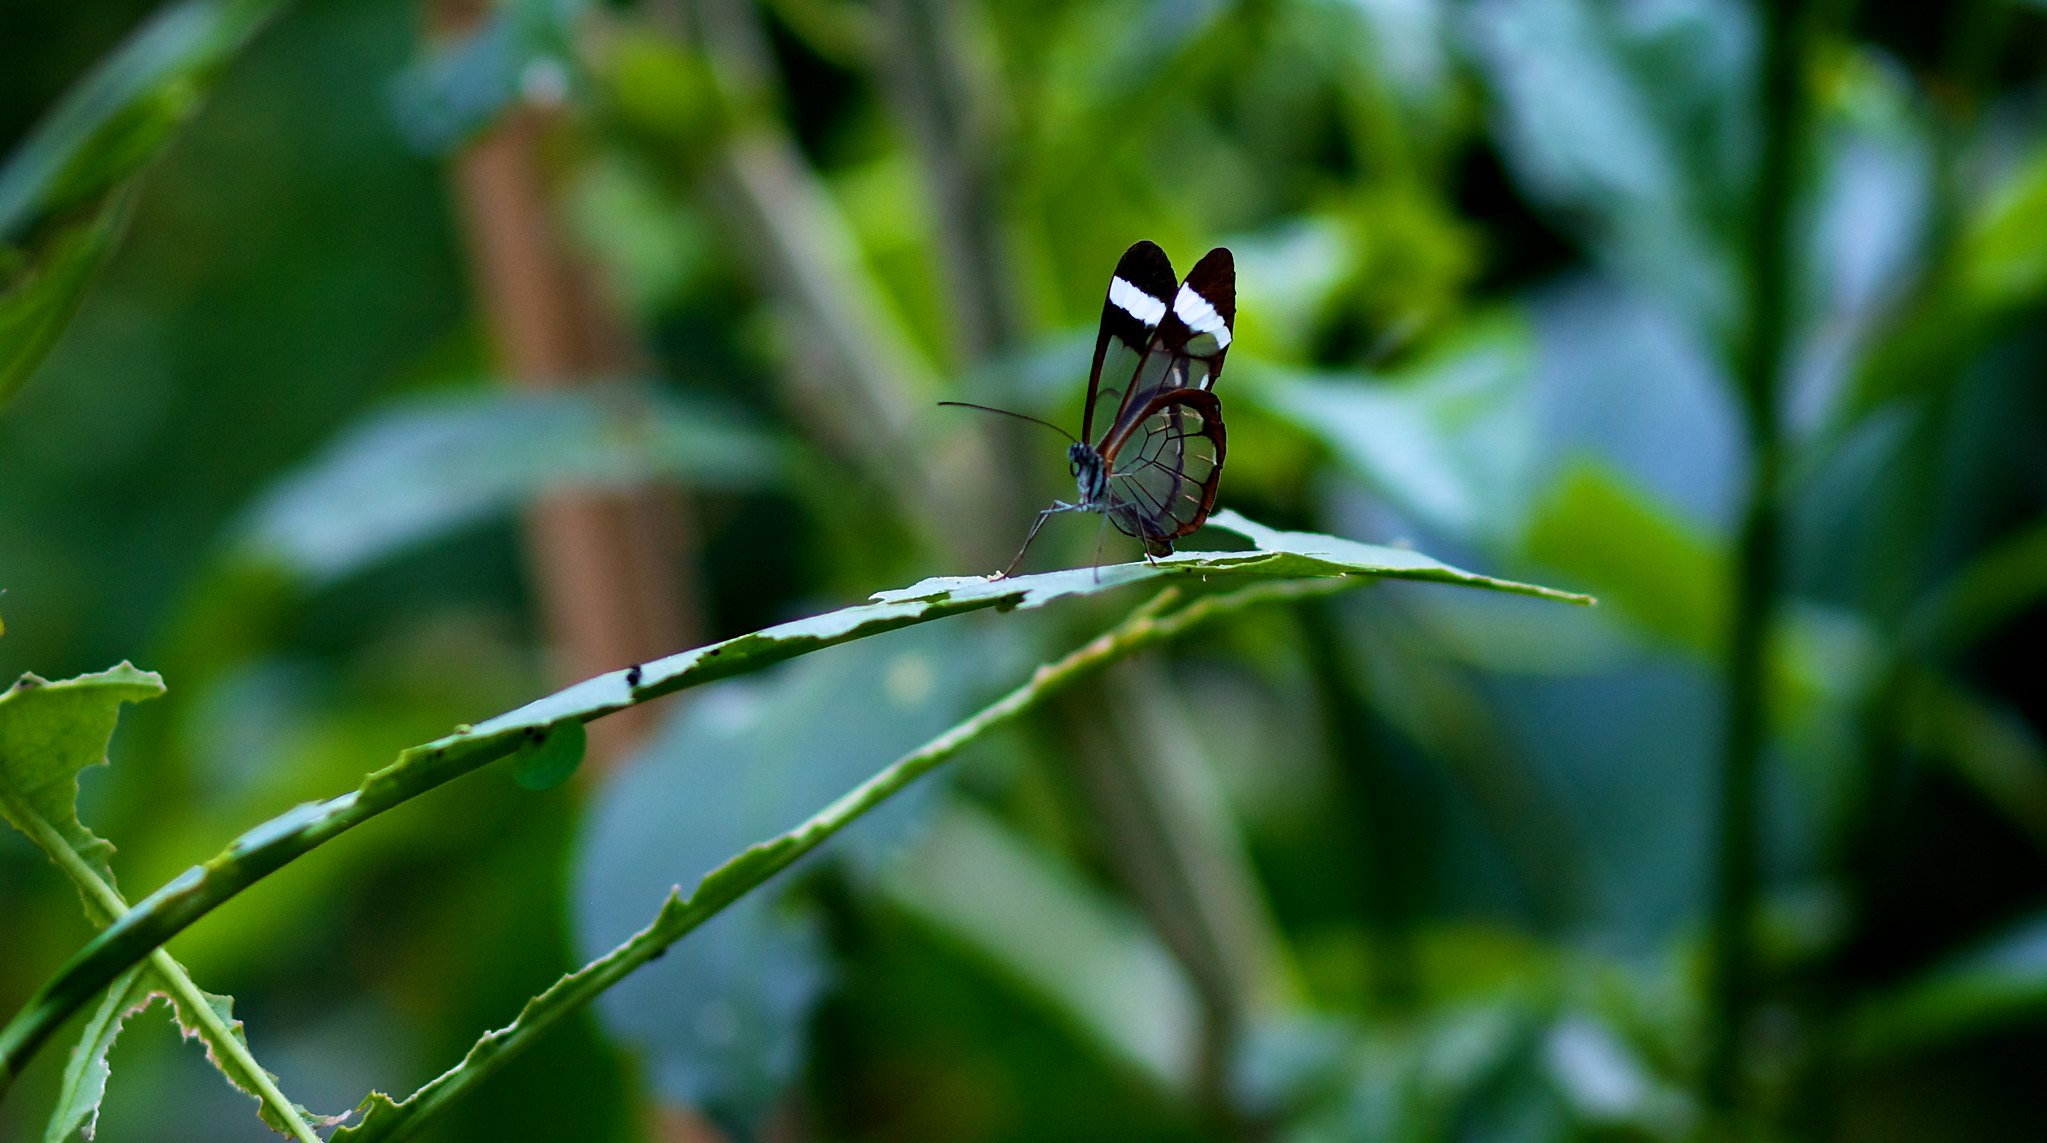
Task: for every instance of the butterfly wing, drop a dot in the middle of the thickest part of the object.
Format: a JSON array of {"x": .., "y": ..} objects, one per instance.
[
  {"x": 1187, "y": 347},
  {"x": 1165, "y": 467},
  {"x": 1139, "y": 298}
]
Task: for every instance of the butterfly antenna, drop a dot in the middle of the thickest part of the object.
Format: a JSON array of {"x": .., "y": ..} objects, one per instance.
[{"x": 1007, "y": 413}]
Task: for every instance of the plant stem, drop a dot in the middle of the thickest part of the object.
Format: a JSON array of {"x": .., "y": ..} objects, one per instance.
[
  {"x": 1368, "y": 789},
  {"x": 612, "y": 567},
  {"x": 944, "y": 100},
  {"x": 1768, "y": 268}
]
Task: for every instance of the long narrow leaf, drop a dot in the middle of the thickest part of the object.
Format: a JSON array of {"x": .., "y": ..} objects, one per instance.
[
  {"x": 61, "y": 190},
  {"x": 385, "y": 1120},
  {"x": 268, "y": 847}
]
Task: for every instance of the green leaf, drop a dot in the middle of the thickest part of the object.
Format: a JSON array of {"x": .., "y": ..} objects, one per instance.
[
  {"x": 49, "y": 733},
  {"x": 1997, "y": 583},
  {"x": 550, "y": 756},
  {"x": 1277, "y": 553},
  {"x": 1450, "y": 442},
  {"x": 1282, "y": 561},
  {"x": 1997, "y": 984},
  {"x": 384, "y": 1119},
  {"x": 719, "y": 1022},
  {"x": 85, "y": 1074},
  {"x": 1991, "y": 747},
  {"x": 425, "y": 466},
  {"x": 1651, "y": 566},
  {"x": 1630, "y": 131},
  {"x": 525, "y": 48},
  {"x": 1288, "y": 556},
  {"x": 2001, "y": 265},
  {"x": 1280, "y": 556},
  {"x": 122, "y": 114},
  {"x": 60, "y": 192},
  {"x": 1092, "y": 963},
  {"x": 39, "y": 296}
]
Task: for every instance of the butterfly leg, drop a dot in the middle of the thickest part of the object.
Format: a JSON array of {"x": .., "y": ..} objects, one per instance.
[
  {"x": 1101, "y": 534},
  {"x": 1057, "y": 506}
]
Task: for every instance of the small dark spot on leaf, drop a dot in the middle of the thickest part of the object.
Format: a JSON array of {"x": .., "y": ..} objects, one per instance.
[
  {"x": 659, "y": 953},
  {"x": 632, "y": 676},
  {"x": 714, "y": 652}
]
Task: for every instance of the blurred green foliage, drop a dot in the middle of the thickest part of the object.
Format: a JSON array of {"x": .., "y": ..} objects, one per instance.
[{"x": 1444, "y": 859}]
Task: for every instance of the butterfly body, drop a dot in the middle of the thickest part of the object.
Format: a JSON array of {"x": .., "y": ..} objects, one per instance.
[
  {"x": 1091, "y": 479},
  {"x": 1090, "y": 475},
  {"x": 1154, "y": 467}
]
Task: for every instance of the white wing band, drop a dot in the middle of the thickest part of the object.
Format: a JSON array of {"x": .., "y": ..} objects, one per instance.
[
  {"x": 1136, "y": 302},
  {"x": 1200, "y": 317}
]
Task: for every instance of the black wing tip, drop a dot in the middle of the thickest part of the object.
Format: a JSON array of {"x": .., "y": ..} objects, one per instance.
[
  {"x": 1146, "y": 266},
  {"x": 1215, "y": 279}
]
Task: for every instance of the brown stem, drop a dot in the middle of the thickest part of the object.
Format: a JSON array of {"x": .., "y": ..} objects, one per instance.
[{"x": 610, "y": 568}]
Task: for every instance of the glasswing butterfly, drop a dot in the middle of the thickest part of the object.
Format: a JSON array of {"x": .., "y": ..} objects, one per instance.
[{"x": 1154, "y": 470}]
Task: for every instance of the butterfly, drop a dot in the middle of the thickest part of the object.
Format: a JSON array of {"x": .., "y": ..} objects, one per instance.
[{"x": 1154, "y": 470}]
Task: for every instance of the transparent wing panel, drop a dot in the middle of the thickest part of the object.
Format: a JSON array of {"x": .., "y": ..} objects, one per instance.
[{"x": 1163, "y": 475}]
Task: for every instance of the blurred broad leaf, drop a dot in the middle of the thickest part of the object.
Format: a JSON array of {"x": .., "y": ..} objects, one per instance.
[
  {"x": 1991, "y": 747},
  {"x": 1290, "y": 277},
  {"x": 1600, "y": 531},
  {"x": 1620, "y": 377},
  {"x": 1609, "y": 1085},
  {"x": 41, "y": 287},
  {"x": 1088, "y": 960},
  {"x": 2003, "y": 264},
  {"x": 524, "y": 50},
  {"x": 2000, "y": 982},
  {"x": 426, "y": 466},
  {"x": 720, "y": 1018},
  {"x": 60, "y": 191},
  {"x": 1449, "y": 443},
  {"x": 1630, "y": 123}
]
